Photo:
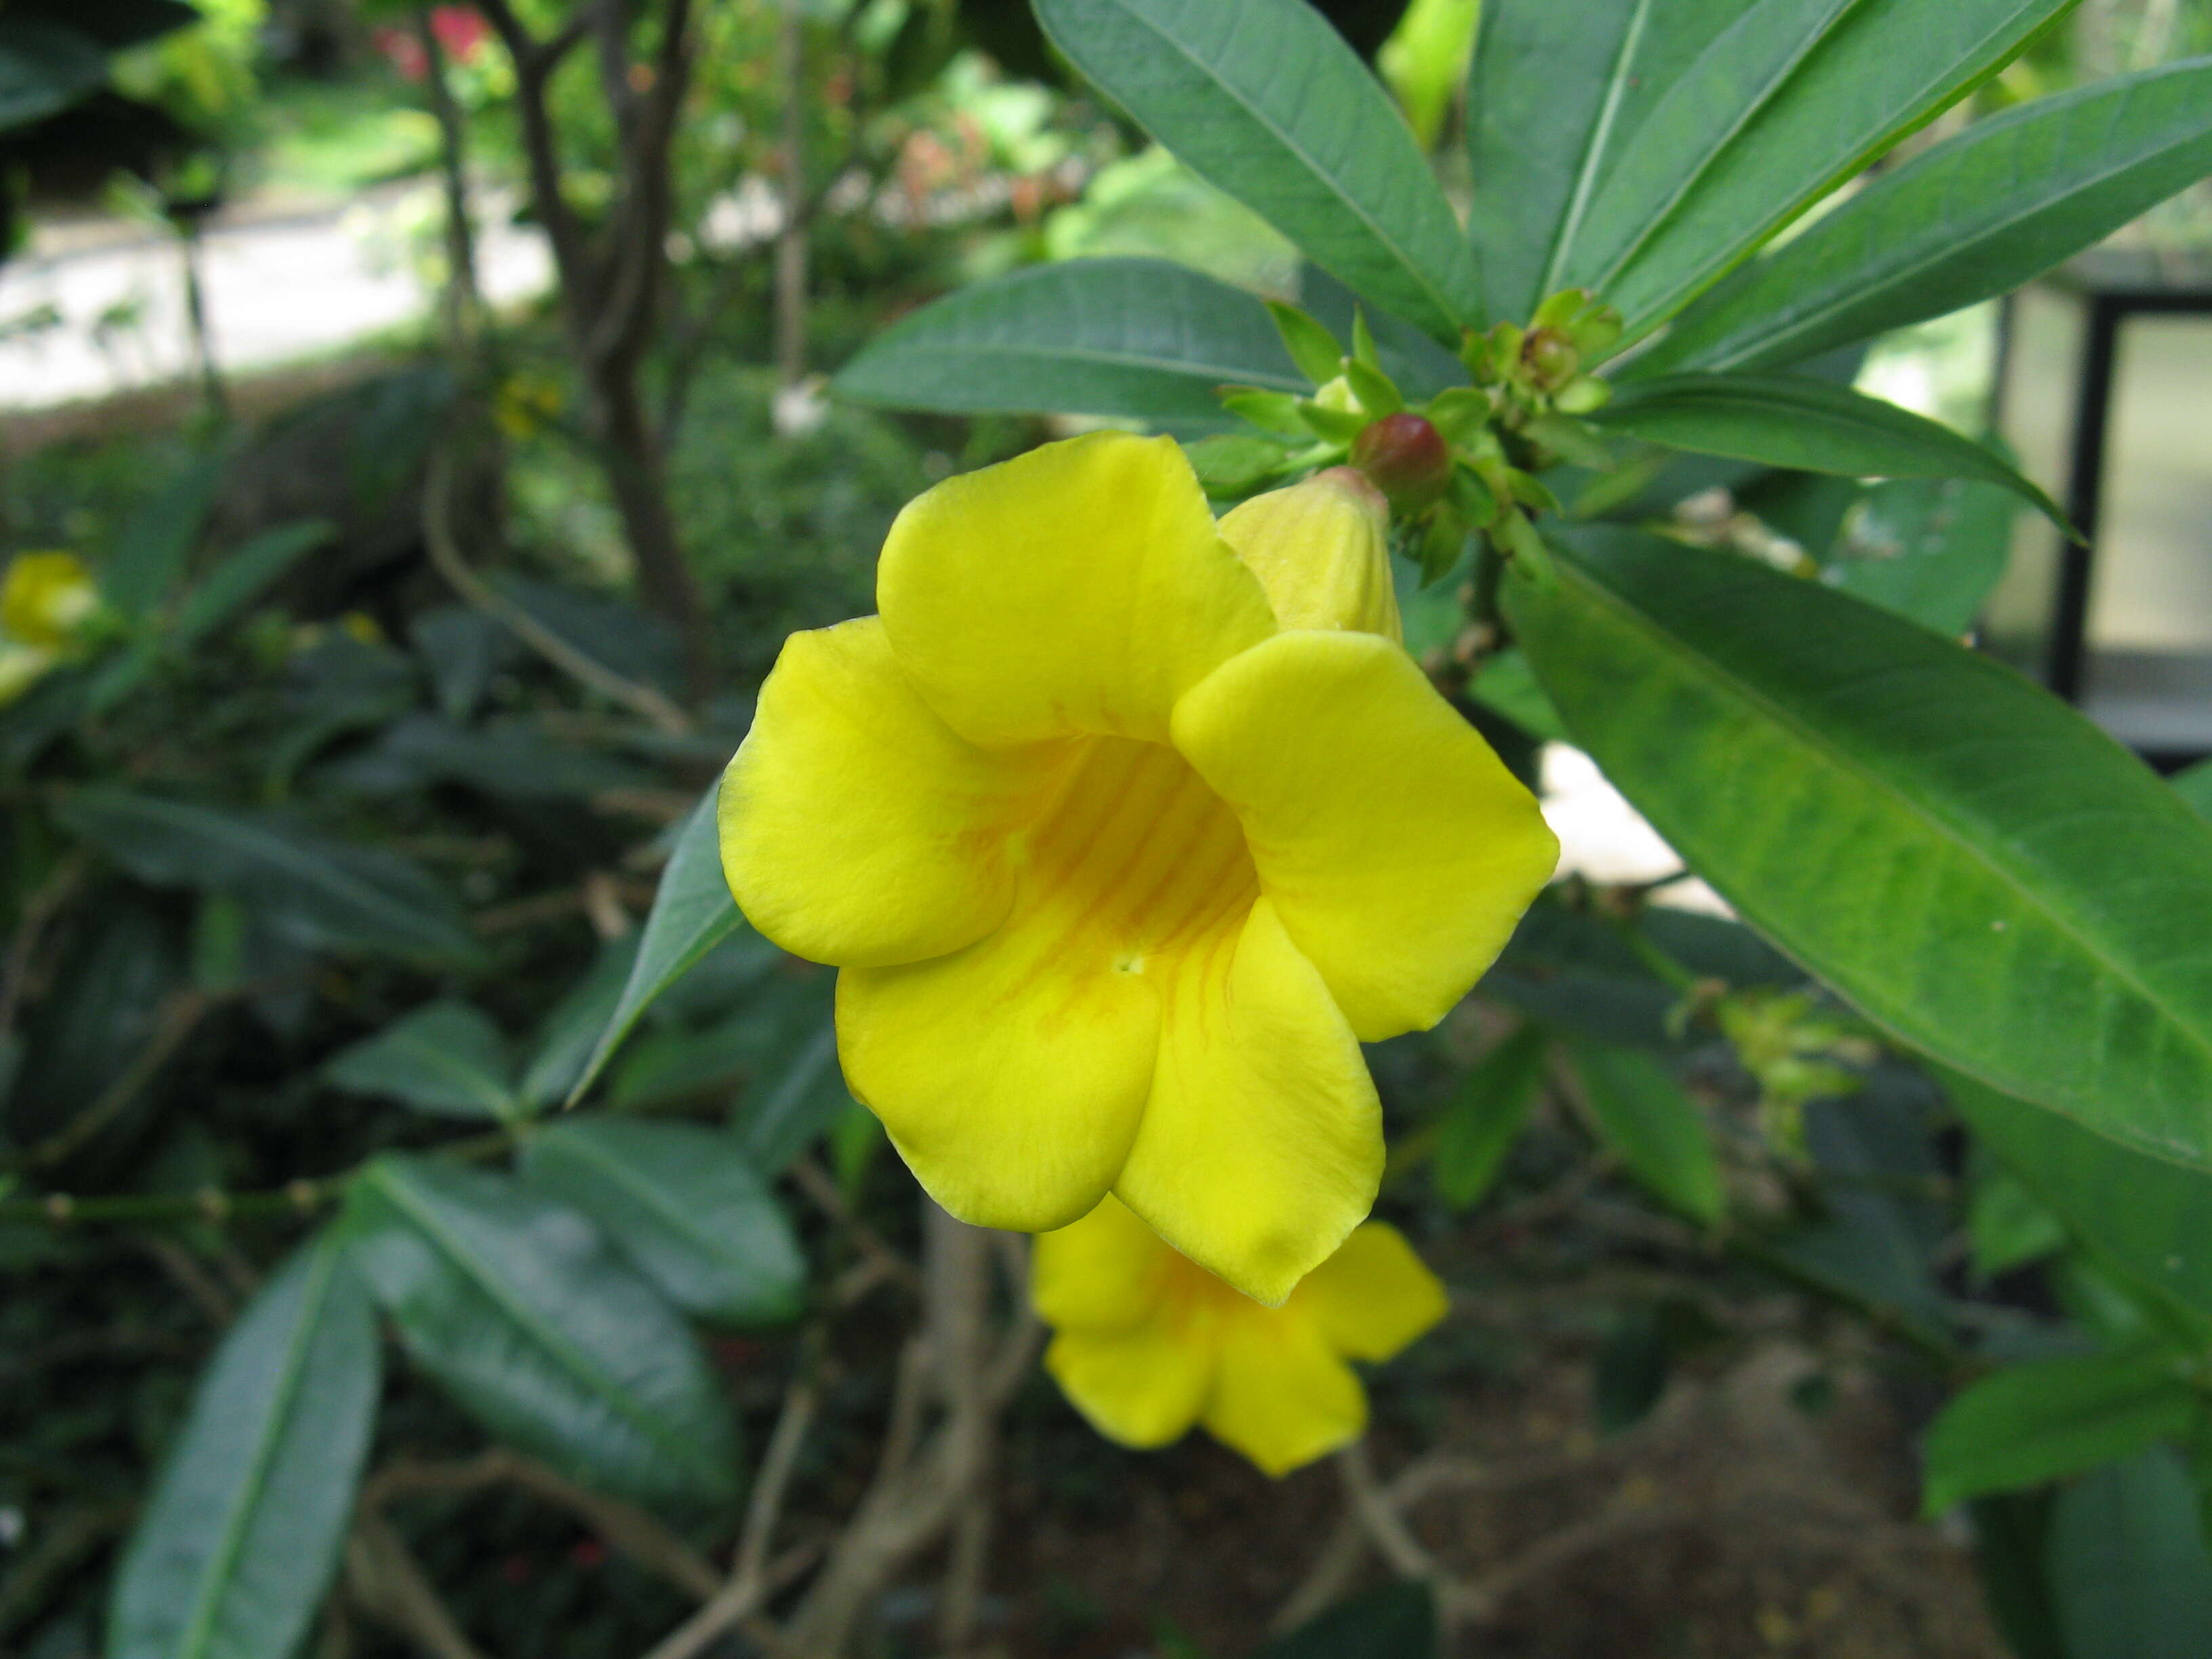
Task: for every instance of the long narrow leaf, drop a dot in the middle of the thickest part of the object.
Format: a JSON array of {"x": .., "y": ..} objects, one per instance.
[
  {"x": 1976, "y": 216},
  {"x": 1263, "y": 99},
  {"x": 1795, "y": 421},
  {"x": 691, "y": 914},
  {"x": 1141, "y": 339},
  {"x": 1978, "y": 868},
  {"x": 1889, "y": 67},
  {"x": 242, "y": 1533},
  {"x": 1696, "y": 117}
]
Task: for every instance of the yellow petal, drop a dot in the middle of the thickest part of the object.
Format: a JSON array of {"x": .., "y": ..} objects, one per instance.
[
  {"x": 45, "y": 596},
  {"x": 1079, "y": 588},
  {"x": 856, "y": 827},
  {"x": 1279, "y": 1396},
  {"x": 1318, "y": 549},
  {"x": 1262, "y": 1143},
  {"x": 1143, "y": 1387},
  {"x": 1102, "y": 1272},
  {"x": 1011, "y": 1077},
  {"x": 1398, "y": 849},
  {"x": 1373, "y": 1297}
]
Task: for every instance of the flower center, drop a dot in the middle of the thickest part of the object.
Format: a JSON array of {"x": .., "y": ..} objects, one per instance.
[{"x": 1135, "y": 857}]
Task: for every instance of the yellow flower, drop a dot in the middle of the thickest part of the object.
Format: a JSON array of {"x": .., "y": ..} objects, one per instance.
[
  {"x": 1128, "y": 828},
  {"x": 1147, "y": 1343},
  {"x": 45, "y": 598}
]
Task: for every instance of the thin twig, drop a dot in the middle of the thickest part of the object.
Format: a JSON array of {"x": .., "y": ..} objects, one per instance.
[
  {"x": 179, "y": 1015},
  {"x": 623, "y": 1527},
  {"x": 389, "y": 1584},
  {"x": 446, "y": 554}
]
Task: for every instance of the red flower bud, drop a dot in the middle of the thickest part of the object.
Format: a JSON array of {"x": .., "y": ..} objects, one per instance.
[{"x": 1405, "y": 459}]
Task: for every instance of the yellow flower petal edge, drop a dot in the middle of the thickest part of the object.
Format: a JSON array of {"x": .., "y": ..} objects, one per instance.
[
  {"x": 1081, "y": 588},
  {"x": 1398, "y": 849},
  {"x": 856, "y": 826},
  {"x": 45, "y": 597},
  {"x": 1118, "y": 869},
  {"x": 1146, "y": 1344}
]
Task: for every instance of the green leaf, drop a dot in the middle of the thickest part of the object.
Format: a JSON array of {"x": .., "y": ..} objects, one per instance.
[
  {"x": 2127, "y": 1565},
  {"x": 243, "y": 576},
  {"x": 238, "y": 1542},
  {"x": 317, "y": 891},
  {"x": 44, "y": 67},
  {"x": 446, "y": 1058},
  {"x": 1810, "y": 425},
  {"x": 692, "y": 912},
  {"x": 516, "y": 1305},
  {"x": 1888, "y": 67},
  {"x": 150, "y": 556},
  {"x": 2006, "y": 1226},
  {"x": 1398, "y": 1621},
  {"x": 1978, "y": 215},
  {"x": 1976, "y": 867},
  {"x": 1311, "y": 346},
  {"x": 572, "y": 1031},
  {"x": 1263, "y": 99},
  {"x": 1484, "y": 1116},
  {"x": 1555, "y": 91},
  {"x": 1691, "y": 122},
  {"x": 1643, "y": 1115},
  {"x": 2052, "y": 1418},
  {"x": 685, "y": 1205},
  {"x": 1140, "y": 338},
  {"x": 782, "y": 1116},
  {"x": 2141, "y": 1217},
  {"x": 1231, "y": 465},
  {"x": 1932, "y": 550},
  {"x": 2195, "y": 786}
]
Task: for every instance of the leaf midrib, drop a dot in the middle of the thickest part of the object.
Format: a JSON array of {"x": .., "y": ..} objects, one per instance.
[
  {"x": 1704, "y": 272},
  {"x": 580, "y": 1366},
  {"x": 673, "y": 1216},
  {"x": 1595, "y": 144},
  {"x": 1844, "y": 761},
  {"x": 1903, "y": 276},
  {"x": 1241, "y": 373},
  {"x": 199, "y": 1629},
  {"x": 1445, "y": 307}
]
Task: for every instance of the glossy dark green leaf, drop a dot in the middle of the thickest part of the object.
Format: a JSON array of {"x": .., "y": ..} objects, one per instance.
[
  {"x": 237, "y": 1545},
  {"x": 692, "y": 912},
  {"x": 1398, "y": 1621},
  {"x": 1808, "y": 425},
  {"x": 243, "y": 576},
  {"x": 1141, "y": 339},
  {"x": 686, "y": 1204},
  {"x": 1689, "y": 125},
  {"x": 319, "y": 891},
  {"x": 1479, "y": 1124},
  {"x": 1976, "y": 216},
  {"x": 2129, "y": 1573},
  {"x": 446, "y": 1058},
  {"x": 2142, "y": 1218},
  {"x": 517, "y": 1304},
  {"x": 1887, "y": 68},
  {"x": 1932, "y": 550},
  {"x": 1555, "y": 91},
  {"x": 2049, "y": 1418},
  {"x": 1655, "y": 1129},
  {"x": 1263, "y": 99},
  {"x": 1976, "y": 867},
  {"x": 792, "y": 1105}
]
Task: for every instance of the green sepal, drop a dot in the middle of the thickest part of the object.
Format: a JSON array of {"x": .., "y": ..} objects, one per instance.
[
  {"x": 1444, "y": 539},
  {"x": 1459, "y": 412},
  {"x": 1270, "y": 412},
  {"x": 1377, "y": 394},
  {"x": 1531, "y": 492},
  {"x": 1527, "y": 551},
  {"x": 1571, "y": 441},
  {"x": 1311, "y": 346},
  {"x": 1232, "y": 465},
  {"x": 1338, "y": 426},
  {"x": 1474, "y": 500}
]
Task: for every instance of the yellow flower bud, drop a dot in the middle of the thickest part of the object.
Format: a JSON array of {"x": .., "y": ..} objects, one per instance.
[{"x": 1318, "y": 549}]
